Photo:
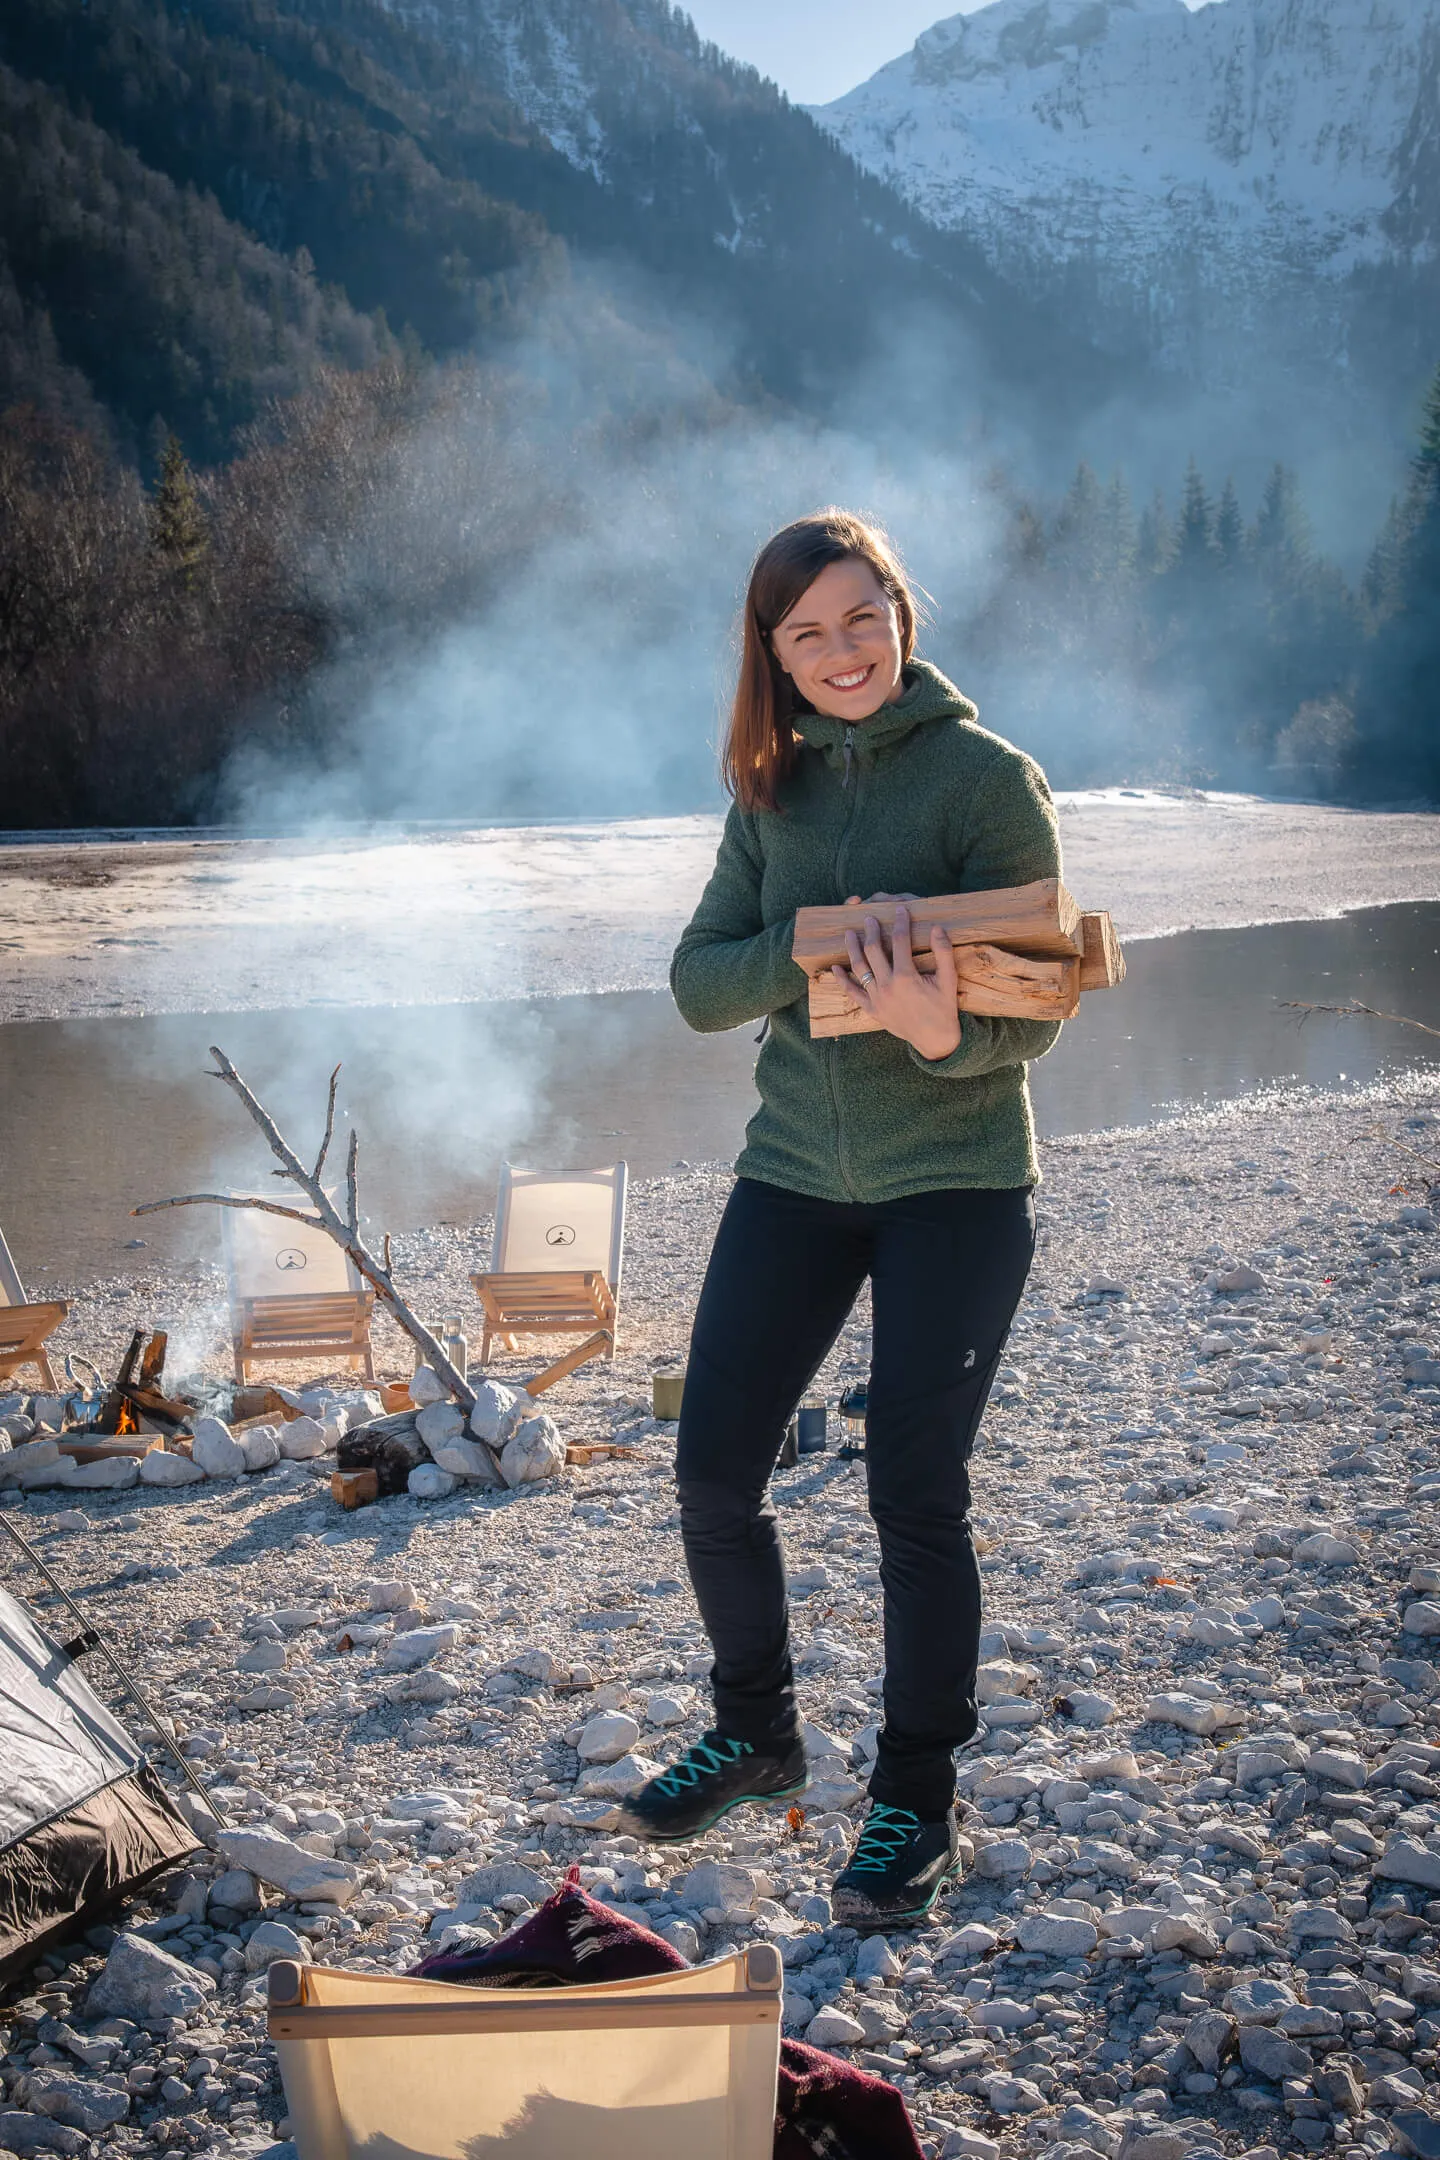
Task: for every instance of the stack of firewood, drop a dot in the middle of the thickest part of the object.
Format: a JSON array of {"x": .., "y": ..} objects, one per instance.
[{"x": 1024, "y": 953}]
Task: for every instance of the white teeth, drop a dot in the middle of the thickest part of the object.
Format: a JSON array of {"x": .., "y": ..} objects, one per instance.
[{"x": 848, "y": 682}]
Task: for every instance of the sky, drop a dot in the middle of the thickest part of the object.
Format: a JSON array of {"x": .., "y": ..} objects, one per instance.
[{"x": 818, "y": 49}]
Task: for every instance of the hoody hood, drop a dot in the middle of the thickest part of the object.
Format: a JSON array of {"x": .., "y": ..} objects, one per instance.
[{"x": 928, "y": 695}]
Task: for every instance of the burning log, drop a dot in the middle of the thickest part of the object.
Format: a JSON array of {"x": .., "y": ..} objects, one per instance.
[
  {"x": 344, "y": 1229},
  {"x": 134, "y": 1405}
]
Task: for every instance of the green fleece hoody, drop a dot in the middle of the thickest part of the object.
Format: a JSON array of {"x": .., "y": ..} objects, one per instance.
[{"x": 918, "y": 799}]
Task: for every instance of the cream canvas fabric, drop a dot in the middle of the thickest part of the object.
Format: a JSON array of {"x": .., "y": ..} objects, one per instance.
[
  {"x": 551, "y": 1221},
  {"x": 267, "y": 1257},
  {"x": 11, "y": 1292},
  {"x": 679, "y": 2067}
]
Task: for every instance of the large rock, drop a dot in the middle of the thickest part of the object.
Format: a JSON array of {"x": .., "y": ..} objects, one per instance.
[
  {"x": 533, "y": 1452},
  {"x": 466, "y": 1459},
  {"x": 1406, "y": 1860},
  {"x": 1057, "y": 1932},
  {"x": 721, "y": 1884},
  {"x": 617, "y": 1780},
  {"x": 832, "y": 2027},
  {"x": 1270, "y": 2055},
  {"x": 417, "y": 1646},
  {"x": 494, "y": 1406},
  {"x": 1189, "y": 1712},
  {"x": 288, "y": 1867},
  {"x": 79, "y": 2101},
  {"x": 262, "y": 1447},
  {"x": 23, "y": 2134},
  {"x": 1422, "y": 1618},
  {"x": 162, "y": 1469},
  {"x": 607, "y": 1736},
  {"x": 303, "y": 1439},
  {"x": 507, "y": 1878},
  {"x": 272, "y": 1940},
  {"x": 31, "y": 1454},
  {"x": 427, "y": 1387},
  {"x": 439, "y": 1421},
  {"x": 143, "y": 1982},
  {"x": 1258, "y": 2001},
  {"x": 216, "y": 1450},
  {"x": 113, "y": 1473},
  {"x": 427, "y": 1481},
  {"x": 1210, "y": 2037}
]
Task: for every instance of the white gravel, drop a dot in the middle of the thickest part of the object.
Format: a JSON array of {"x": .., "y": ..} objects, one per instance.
[{"x": 1204, "y": 1816}]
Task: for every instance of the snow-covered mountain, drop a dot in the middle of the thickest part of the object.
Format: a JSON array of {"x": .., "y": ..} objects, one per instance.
[{"x": 1258, "y": 176}]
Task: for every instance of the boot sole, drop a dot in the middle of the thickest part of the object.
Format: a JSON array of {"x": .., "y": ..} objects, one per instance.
[
  {"x": 876, "y": 1922},
  {"x": 683, "y": 1837}
]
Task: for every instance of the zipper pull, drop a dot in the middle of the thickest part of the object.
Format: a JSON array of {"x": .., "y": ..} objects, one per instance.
[{"x": 849, "y": 754}]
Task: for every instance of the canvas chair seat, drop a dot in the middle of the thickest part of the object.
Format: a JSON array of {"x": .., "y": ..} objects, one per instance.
[
  {"x": 25, "y": 1329},
  {"x": 294, "y": 1295},
  {"x": 555, "y": 1267},
  {"x": 678, "y": 2063}
]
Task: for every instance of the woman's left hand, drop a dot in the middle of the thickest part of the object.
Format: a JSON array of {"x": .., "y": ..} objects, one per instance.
[{"x": 919, "y": 1009}]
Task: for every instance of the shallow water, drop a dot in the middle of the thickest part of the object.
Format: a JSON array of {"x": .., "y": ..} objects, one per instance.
[{"x": 96, "y": 1115}]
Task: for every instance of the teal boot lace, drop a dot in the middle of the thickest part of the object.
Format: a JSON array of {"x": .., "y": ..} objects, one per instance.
[
  {"x": 701, "y": 1761},
  {"x": 887, "y": 1830}
]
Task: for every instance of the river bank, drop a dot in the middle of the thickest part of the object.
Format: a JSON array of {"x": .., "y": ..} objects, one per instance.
[
  {"x": 216, "y": 923},
  {"x": 1207, "y": 1505}
]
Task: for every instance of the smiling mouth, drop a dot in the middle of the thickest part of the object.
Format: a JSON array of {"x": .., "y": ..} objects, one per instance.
[{"x": 855, "y": 679}]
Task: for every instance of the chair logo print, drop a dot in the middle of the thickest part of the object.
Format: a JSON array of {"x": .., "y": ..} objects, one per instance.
[
  {"x": 290, "y": 1259},
  {"x": 560, "y": 1233}
]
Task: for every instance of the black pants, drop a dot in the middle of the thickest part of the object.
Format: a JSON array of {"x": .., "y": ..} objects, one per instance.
[{"x": 946, "y": 1272}]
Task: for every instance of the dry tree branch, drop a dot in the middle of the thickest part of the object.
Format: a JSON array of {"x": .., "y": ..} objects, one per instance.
[
  {"x": 1353, "y": 1011},
  {"x": 329, "y": 1126},
  {"x": 345, "y": 1232}
]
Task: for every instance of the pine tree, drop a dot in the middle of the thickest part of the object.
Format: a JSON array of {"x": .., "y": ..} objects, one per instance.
[
  {"x": 1194, "y": 552},
  {"x": 178, "y": 531},
  {"x": 1077, "y": 543},
  {"x": 1229, "y": 529},
  {"x": 1280, "y": 540},
  {"x": 1118, "y": 531},
  {"x": 1152, "y": 548}
]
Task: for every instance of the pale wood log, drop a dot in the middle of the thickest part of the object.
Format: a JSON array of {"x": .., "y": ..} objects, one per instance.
[
  {"x": 1000, "y": 985},
  {"x": 1102, "y": 966},
  {"x": 326, "y": 1217},
  {"x": 1041, "y": 919}
]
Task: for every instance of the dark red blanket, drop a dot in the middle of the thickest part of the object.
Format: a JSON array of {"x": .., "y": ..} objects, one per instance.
[{"x": 825, "y": 2109}]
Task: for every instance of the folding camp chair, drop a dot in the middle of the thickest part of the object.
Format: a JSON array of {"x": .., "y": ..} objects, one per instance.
[
  {"x": 395, "y": 2069},
  {"x": 24, "y": 1328},
  {"x": 294, "y": 1295},
  {"x": 555, "y": 1268}
]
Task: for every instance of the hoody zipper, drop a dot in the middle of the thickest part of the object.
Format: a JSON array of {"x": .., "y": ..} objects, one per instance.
[{"x": 833, "y": 1047}]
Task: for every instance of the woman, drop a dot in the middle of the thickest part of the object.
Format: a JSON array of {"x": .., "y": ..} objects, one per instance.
[{"x": 905, "y": 1155}]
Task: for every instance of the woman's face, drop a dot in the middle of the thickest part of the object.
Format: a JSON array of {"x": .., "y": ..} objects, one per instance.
[{"x": 840, "y": 643}]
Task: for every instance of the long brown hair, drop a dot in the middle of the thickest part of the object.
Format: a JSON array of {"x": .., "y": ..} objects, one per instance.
[{"x": 760, "y": 743}]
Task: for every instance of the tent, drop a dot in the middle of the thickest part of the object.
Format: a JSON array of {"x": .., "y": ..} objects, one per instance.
[{"x": 84, "y": 1818}]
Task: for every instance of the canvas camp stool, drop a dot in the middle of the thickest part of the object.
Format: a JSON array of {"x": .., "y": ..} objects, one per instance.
[
  {"x": 24, "y": 1328},
  {"x": 555, "y": 1268},
  {"x": 393, "y": 2069},
  {"x": 294, "y": 1295}
]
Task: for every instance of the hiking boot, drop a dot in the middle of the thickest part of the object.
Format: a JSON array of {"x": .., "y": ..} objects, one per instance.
[
  {"x": 897, "y": 1870},
  {"x": 711, "y": 1777}
]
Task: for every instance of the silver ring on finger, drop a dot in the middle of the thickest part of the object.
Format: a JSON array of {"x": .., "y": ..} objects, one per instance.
[{"x": 866, "y": 979}]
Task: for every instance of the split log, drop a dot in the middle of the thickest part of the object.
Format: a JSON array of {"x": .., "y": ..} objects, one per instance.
[
  {"x": 1040, "y": 920},
  {"x": 1103, "y": 964},
  {"x": 1001, "y": 985}
]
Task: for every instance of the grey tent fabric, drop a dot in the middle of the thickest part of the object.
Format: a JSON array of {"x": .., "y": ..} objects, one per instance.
[
  {"x": 83, "y": 1818},
  {"x": 58, "y": 1742}
]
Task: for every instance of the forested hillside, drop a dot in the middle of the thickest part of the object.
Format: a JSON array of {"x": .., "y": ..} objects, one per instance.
[{"x": 354, "y": 357}]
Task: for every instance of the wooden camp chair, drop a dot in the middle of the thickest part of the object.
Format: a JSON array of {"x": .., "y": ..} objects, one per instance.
[
  {"x": 395, "y": 2069},
  {"x": 25, "y": 1328},
  {"x": 295, "y": 1296},
  {"x": 555, "y": 1267}
]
